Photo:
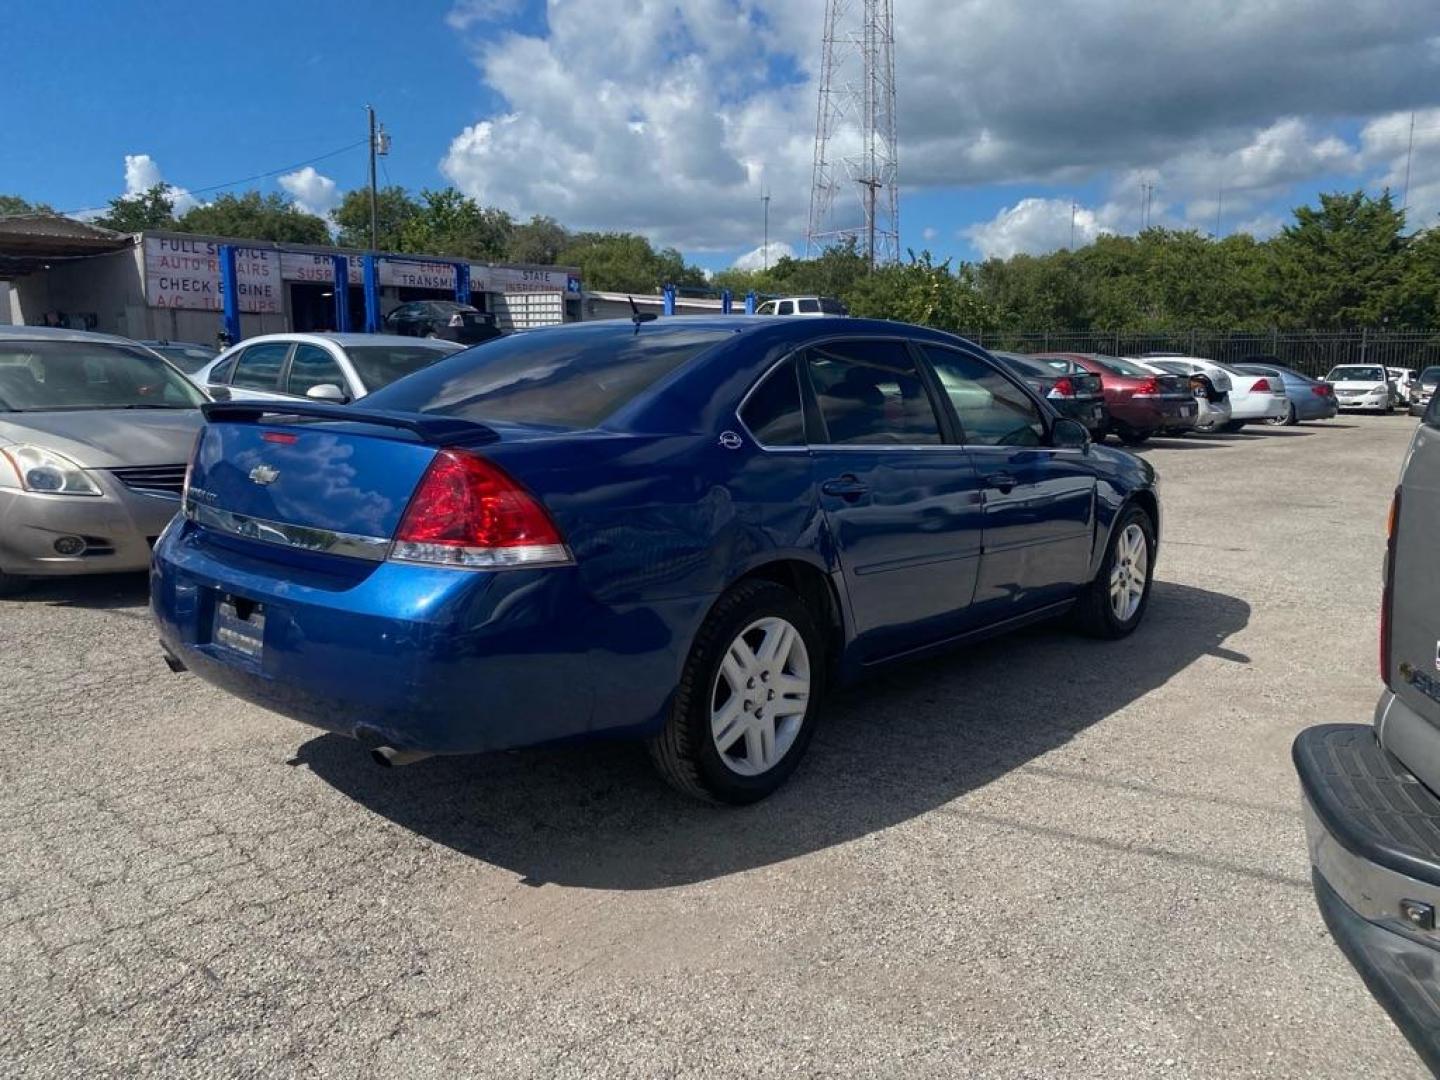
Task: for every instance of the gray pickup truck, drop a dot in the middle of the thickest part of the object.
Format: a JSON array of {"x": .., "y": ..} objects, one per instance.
[{"x": 1372, "y": 792}]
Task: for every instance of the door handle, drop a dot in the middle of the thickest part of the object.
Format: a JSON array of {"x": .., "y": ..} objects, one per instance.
[
  {"x": 846, "y": 487},
  {"x": 1003, "y": 481}
]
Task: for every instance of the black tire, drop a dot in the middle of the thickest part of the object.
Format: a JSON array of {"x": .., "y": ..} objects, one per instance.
[
  {"x": 1288, "y": 420},
  {"x": 1233, "y": 426},
  {"x": 1093, "y": 614},
  {"x": 1131, "y": 437},
  {"x": 685, "y": 753}
]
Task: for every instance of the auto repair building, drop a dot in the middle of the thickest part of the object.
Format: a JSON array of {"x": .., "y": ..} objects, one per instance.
[{"x": 161, "y": 284}]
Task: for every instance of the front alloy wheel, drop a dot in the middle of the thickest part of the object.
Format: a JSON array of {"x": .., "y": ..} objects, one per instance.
[{"x": 1129, "y": 573}]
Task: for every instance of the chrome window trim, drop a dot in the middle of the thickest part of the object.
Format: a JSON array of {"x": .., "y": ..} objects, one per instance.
[{"x": 301, "y": 537}]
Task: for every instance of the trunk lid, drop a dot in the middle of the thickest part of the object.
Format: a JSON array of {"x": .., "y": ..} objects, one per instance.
[{"x": 1175, "y": 386}]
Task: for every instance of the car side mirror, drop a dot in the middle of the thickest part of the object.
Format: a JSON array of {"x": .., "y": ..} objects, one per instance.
[
  {"x": 326, "y": 391},
  {"x": 1067, "y": 434}
]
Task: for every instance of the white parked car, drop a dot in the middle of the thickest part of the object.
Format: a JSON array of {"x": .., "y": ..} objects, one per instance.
[
  {"x": 1212, "y": 390},
  {"x": 324, "y": 367},
  {"x": 1402, "y": 379},
  {"x": 802, "y": 305},
  {"x": 1252, "y": 398},
  {"x": 1362, "y": 386}
]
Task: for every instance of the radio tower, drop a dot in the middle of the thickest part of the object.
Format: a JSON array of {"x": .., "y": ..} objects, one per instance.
[{"x": 853, "y": 195}]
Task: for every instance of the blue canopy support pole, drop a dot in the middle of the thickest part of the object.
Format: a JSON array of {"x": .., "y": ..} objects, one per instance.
[
  {"x": 750, "y": 302},
  {"x": 727, "y": 302},
  {"x": 462, "y": 283},
  {"x": 372, "y": 294},
  {"x": 341, "y": 264},
  {"x": 229, "y": 294},
  {"x": 669, "y": 299}
]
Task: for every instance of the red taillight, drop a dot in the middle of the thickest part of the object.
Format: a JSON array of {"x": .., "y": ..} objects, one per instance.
[
  {"x": 1320, "y": 390},
  {"x": 1149, "y": 388},
  {"x": 469, "y": 512},
  {"x": 1392, "y": 528},
  {"x": 1261, "y": 386},
  {"x": 284, "y": 438},
  {"x": 1063, "y": 388}
]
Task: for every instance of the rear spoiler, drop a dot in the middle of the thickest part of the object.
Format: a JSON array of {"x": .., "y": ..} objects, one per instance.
[{"x": 436, "y": 430}]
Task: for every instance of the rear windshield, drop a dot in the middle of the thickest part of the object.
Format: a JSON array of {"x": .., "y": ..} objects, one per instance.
[
  {"x": 381, "y": 365},
  {"x": 1025, "y": 365},
  {"x": 1430, "y": 375},
  {"x": 188, "y": 358},
  {"x": 40, "y": 376},
  {"x": 1117, "y": 366},
  {"x": 569, "y": 377}
]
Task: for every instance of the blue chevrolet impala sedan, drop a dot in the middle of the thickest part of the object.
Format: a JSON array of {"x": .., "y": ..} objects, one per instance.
[{"x": 681, "y": 531}]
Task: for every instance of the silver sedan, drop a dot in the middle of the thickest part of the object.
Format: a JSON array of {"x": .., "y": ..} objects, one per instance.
[{"x": 95, "y": 433}]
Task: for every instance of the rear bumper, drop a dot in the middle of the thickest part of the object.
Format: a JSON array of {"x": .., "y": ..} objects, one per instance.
[
  {"x": 1090, "y": 413},
  {"x": 1258, "y": 407},
  {"x": 1374, "y": 839},
  {"x": 118, "y": 528},
  {"x": 430, "y": 659},
  {"x": 1154, "y": 414}
]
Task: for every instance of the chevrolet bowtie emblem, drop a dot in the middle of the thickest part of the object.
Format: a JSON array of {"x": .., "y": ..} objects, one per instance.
[{"x": 264, "y": 474}]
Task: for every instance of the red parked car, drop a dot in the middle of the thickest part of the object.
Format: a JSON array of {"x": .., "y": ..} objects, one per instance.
[{"x": 1140, "y": 403}]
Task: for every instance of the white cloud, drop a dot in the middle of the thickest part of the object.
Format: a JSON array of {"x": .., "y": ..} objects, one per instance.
[
  {"x": 142, "y": 172},
  {"x": 764, "y": 256},
  {"x": 929, "y": 233},
  {"x": 1383, "y": 143},
  {"x": 1035, "y": 226},
  {"x": 313, "y": 192},
  {"x": 464, "y": 14},
  {"x": 661, "y": 116}
]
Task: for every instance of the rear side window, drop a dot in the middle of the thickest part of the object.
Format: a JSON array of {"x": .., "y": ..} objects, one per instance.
[
  {"x": 381, "y": 365},
  {"x": 833, "y": 307},
  {"x": 773, "y": 413},
  {"x": 808, "y": 306},
  {"x": 566, "y": 377},
  {"x": 259, "y": 367},
  {"x": 870, "y": 392},
  {"x": 220, "y": 373}
]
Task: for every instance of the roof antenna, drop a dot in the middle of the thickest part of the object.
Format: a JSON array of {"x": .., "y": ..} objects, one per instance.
[{"x": 637, "y": 316}]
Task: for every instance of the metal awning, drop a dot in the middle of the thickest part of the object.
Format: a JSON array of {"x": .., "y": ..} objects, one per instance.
[{"x": 31, "y": 242}]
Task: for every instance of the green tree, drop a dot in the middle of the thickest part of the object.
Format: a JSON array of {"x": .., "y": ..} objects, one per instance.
[
  {"x": 253, "y": 216},
  {"x": 1417, "y": 292},
  {"x": 1338, "y": 266},
  {"x": 626, "y": 262},
  {"x": 394, "y": 208},
  {"x": 538, "y": 241},
  {"x": 14, "y": 204},
  {"x": 922, "y": 291},
  {"x": 452, "y": 223},
  {"x": 152, "y": 208}
]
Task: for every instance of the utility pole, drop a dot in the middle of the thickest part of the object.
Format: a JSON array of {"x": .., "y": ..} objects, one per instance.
[
  {"x": 1409, "y": 150},
  {"x": 1072, "y": 226},
  {"x": 374, "y": 199},
  {"x": 1219, "y": 206},
  {"x": 871, "y": 185},
  {"x": 765, "y": 247}
]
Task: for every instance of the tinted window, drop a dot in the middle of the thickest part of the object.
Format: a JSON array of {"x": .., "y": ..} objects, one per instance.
[
  {"x": 1255, "y": 369},
  {"x": 1430, "y": 375},
  {"x": 380, "y": 365},
  {"x": 833, "y": 307},
  {"x": 312, "y": 366},
  {"x": 39, "y": 375},
  {"x": 570, "y": 377},
  {"x": 808, "y": 307},
  {"x": 259, "y": 367},
  {"x": 1026, "y": 366},
  {"x": 220, "y": 373},
  {"x": 993, "y": 411},
  {"x": 773, "y": 413},
  {"x": 783, "y": 308},
  {"x": 870, "y": 392}
]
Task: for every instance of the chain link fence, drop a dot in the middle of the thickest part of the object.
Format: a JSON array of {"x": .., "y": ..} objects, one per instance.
[{"x": 1313, "y": 352}]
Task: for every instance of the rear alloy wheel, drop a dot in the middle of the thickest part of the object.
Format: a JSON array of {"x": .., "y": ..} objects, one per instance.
[
  {"x": 1288, "y": 420},
  {"x": 1114, "y": 602},
  {"x": 745, "y": 709}
]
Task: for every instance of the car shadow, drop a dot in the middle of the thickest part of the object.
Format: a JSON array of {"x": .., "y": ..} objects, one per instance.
[
  {"x": 904, "y": 743},
  {"x": 99, "y": 591}
]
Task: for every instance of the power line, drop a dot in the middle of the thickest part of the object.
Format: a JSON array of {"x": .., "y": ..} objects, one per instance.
[
  {"x": 1409, "y": 150},
  {"x": 242, "y": 180}
]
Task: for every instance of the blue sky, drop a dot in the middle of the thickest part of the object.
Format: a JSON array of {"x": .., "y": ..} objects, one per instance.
[{"x": 672, "y": 117}]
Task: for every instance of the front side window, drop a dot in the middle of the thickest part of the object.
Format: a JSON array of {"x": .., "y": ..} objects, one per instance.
[
  {"x": 259, "y": 367},
  {"x": 870, "y": 393},
  {"x": 772, "y": 413},
  {"x": 992, "y": 410},
  {"x": 41, "y": 376},
  {"x": 784, "y": 307},
  {"x": 312, "y": 366}
]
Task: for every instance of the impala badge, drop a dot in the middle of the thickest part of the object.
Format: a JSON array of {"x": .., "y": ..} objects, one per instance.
[
  {"x": 730, "y": 441},
  {"x": 264, "y": 474}
]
